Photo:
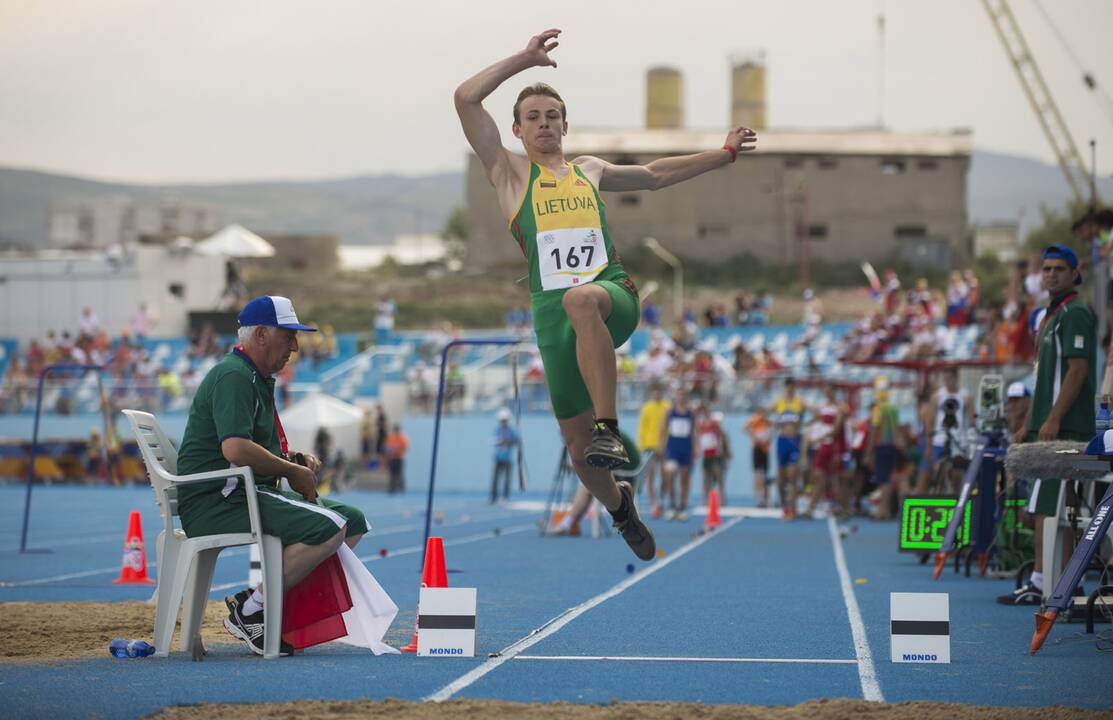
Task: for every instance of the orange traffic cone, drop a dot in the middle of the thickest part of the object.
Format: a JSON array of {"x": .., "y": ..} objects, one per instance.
[
  {"x": 1044, "y": 621},
  {"x": 434, "y": 574},
  {"x": 133, "y": 569},
  {"x": 713, "y": 520}
]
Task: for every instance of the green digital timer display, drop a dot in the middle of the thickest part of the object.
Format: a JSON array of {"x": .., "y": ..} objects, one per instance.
[{"x": 924, "y": 520}]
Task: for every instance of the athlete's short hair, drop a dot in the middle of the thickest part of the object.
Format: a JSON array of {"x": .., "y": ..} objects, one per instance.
[{"x": 538, "y": 89}]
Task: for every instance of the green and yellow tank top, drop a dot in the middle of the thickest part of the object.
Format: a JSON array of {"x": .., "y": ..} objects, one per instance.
[{"x": 561, "y": 227}]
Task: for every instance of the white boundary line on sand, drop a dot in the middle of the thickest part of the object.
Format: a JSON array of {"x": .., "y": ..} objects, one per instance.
[
  {"x": 558, "y": 622},
  {"x": 871, "y": 689},
  {"x": 626, "y": 658}
]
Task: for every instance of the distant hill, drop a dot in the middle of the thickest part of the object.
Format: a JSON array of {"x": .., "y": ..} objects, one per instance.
[
  {"x": 1000, "y": 186},
  {"x": 373, "y": 209},
  {"x": 361, "y": 211}
]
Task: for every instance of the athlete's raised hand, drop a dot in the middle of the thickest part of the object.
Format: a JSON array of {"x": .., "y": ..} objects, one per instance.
[
  {"x": 742, "y": 139},
  {"x": 539, "y": 46}
]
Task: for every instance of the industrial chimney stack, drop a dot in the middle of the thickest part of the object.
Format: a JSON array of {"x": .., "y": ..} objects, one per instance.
[
  {"x": 747, "y": 91},
  {"x": 664, "y": 99}
]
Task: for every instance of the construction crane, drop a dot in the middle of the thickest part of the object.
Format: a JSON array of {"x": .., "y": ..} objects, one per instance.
[{"x": 1039, "y": 95}]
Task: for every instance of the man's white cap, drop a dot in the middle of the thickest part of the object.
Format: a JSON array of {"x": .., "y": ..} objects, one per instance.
[
  {"x": 808, "y": 294},
  {"x": 503, "y": 414},
  {"x": 1017, "y": 390},
  {"x": 717, "y": 416}
]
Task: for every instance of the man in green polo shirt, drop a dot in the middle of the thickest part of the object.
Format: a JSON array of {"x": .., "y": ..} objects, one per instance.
[
  {"x": 1062, "y": 405},
  {"x": 232, "y": 421}
]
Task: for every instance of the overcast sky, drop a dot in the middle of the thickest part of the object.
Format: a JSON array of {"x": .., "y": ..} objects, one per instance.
[{"x": 215, "y": 90}]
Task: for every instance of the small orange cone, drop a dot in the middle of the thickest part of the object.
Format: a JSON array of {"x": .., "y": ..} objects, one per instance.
[
  {"x": 1044, "y": 621},
  {"x": 434, "y": 574},
  {"x": 713, "y": 520},
  {"x": 133, "y": 569}
]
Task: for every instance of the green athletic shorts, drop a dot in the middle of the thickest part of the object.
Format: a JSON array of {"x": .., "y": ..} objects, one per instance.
[
  {"x": 1045, "y": 497},
  {"x": 556, "y": 340},
  {"x": 285, "y": 514}
]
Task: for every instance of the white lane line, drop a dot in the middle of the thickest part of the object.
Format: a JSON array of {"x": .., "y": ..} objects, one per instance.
[
  {"x": 477, "y": 510},
  {"x": 871, "y": 688},
  {"x": 465, "y": 519},
  {"x": 88, "y": 573},
  {"x": 558, "y": 622},
  {"x": 243, "y": 551},
  {"x": 488, "y": 535},
  {"x": 628, "y": 658},
  {"x": 481, "y": 514},
  {"x": 60, "y": 578},
  {"x": 411, "y": 550}
]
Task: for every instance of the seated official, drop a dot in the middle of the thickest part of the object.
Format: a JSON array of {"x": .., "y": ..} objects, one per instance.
[{"x": 232, "y": 421}]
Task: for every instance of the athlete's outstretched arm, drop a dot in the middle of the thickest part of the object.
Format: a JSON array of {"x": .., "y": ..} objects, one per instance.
[
  {"x": 479, "y": 127},
  {"x": 672, "y": 170}
]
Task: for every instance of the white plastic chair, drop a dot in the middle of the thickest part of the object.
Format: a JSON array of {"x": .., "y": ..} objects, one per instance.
[{"x": 185, "y": 564}]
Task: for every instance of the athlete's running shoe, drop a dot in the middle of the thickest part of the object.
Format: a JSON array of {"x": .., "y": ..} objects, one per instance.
[
  {"x": 632, "y": 529},
  {"x": 605, "y": 449}
]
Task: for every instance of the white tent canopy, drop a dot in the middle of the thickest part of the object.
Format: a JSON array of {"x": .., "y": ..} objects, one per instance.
[
  {"x": 235, "y": 241},
  {"x": 342, "y": 420}
]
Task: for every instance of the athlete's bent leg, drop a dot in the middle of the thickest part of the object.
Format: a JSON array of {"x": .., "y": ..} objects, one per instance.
[{"x": 588, "y": 308}]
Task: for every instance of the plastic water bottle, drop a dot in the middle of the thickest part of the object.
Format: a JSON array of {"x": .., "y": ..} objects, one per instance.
[
  {"x": 1102, "y": 423},
  {"x": 130, "y": 648}
]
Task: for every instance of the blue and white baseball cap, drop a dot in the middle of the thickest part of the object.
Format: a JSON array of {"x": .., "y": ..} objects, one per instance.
[
  {"x": 272, "y": 311},
  {"x": 1101, "y": 444}
]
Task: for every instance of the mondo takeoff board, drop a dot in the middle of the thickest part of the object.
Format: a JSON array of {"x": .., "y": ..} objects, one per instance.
[{"x": 924, "y": 519}]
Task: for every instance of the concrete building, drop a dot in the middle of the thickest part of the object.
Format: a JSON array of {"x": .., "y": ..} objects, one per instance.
[
  {"x": 303, "y": 253},
  {"x": 833, "y": 195},
  {"x": 102, "y": 222},
  {"x": 47, "y": 290}
]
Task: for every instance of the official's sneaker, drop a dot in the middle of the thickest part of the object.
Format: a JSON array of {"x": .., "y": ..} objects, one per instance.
[
  {"x": 672, "y": 514},
  {"x": 250, "y": 630},
  {"x": 633, "y": 530},
  {"x": 1029, "y": 594},
  {"x": 681, "y": 516},
  {"x": 605, "y": 449},
  {"x": 232, "y": 602}
]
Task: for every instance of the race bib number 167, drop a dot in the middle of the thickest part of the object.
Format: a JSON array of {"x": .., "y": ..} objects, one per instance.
[{"x": 570, "y": 256}]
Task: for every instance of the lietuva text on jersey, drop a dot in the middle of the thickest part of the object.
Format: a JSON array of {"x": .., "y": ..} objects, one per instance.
[{"x": 563, "y": 204}]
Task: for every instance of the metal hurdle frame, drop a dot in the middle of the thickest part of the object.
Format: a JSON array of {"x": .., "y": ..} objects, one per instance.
[
  {"x": 46, "y": 371},
  {"x": 437, "y": 420}
]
